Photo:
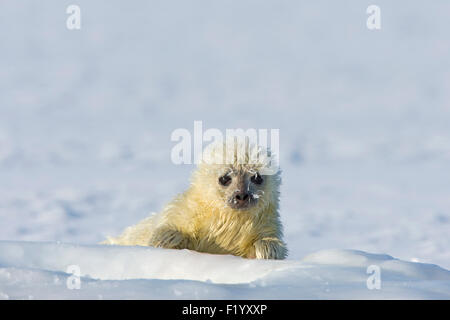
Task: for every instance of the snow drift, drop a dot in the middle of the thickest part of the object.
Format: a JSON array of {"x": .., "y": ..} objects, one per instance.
[{"x": 39, "y": 270}]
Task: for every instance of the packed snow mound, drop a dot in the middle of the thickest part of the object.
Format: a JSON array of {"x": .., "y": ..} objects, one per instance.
[{"x": 40, "y": 270}]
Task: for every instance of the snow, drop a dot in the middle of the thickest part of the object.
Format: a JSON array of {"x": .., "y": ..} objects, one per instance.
[
  {"x": 86, "y": 118},
  {"x": 39, "y": 270}
]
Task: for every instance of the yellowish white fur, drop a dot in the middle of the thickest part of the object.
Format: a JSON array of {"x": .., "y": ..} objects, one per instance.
[{"x": 201, "y": 218}]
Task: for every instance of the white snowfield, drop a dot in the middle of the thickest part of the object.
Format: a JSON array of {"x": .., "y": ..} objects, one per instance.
[
  {"x": 86, "y": 118},
  {"x": 39, "y": 270}
]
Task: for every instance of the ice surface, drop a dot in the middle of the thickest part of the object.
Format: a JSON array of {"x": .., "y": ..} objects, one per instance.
[{"x": 39, "y": 270}]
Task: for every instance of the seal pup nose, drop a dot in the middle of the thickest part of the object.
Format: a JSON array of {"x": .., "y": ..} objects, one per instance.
[
  {"x": 240, "y": 199},
  {"x": 241, "y": 196}
]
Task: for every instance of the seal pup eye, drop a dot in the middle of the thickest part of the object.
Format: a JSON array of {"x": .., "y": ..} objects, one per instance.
[
  {"x": 257, "y": 179},
  {"x": 225, "y": 180}
]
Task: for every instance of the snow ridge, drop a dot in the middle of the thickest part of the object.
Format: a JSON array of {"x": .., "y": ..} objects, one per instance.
[{"x": 39, "y": 270}]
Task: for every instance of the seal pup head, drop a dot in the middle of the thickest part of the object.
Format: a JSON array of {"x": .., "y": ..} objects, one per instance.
[{"x": 237, "y": 176}]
